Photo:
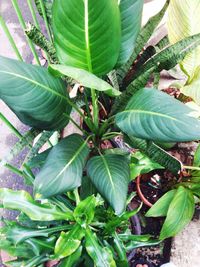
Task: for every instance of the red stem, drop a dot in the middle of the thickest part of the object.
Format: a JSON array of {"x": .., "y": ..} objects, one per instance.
[{"x": 140, "y": 194}]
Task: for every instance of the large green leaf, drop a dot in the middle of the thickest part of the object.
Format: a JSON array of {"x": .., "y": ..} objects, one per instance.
[
  {"x": 17, "y": 233},
  {"x": 22, "y": 201},
  {"x": 69, "y": 242},
  {"x": 156, "y": 116},
  {"x": 131, "y": 16},
  {"x": 179, "y": 214},
  {"x": 72, "y": 259},
  {"x": 84, "y": 77},
  {"x": 101, "y": 256},
  {"x": 63, "y": 168},
  {"x": 110, "y": 175},
  {"x": 186, "y": 12},
  {"x": 87, "y": 34},
  {"x": 160, "y": 208},
  {"x": 36, "y": 97}
]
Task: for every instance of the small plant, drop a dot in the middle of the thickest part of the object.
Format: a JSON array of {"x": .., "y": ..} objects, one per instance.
[{"x": 79, "y": 212}]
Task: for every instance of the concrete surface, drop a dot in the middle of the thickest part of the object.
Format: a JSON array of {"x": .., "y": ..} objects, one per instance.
[{"x": 187, "y": 244}]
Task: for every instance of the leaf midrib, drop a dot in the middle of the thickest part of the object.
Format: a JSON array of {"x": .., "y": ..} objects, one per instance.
[
  {"x": 87, "y": 39},
  {"x": 34, "y": 82},
  {"x": 72, "y": 159},
  {"x": 108, "y": 172},
  {"x": 150, "y": 113}
]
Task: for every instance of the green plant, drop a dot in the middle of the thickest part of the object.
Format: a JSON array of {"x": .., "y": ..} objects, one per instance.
[{"x": 95, "y": 44}]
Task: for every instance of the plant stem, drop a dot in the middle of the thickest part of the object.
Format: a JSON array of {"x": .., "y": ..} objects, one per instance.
[
  {"x": 10, "y": 38},
  {"x": 45, "y": 19},
  {"x": 192, "y": 168},
  {"x": 77, "y": 197},
  {"x": 23, "y": 25},
  {"x": 32, "y": 10},
  {"x": 95, "y": 109},
  {"x": 13, "y": 169},
  {"x": 10, "y": 126}
]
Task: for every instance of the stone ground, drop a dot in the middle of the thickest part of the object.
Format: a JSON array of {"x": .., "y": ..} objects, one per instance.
[{"x": 186, "y": 246}]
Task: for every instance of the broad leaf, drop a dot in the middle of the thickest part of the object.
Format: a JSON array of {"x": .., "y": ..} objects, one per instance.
[
  {"x": 160, "y": 208},
  {"x": 87, "y": 188},
  {"x": 22, "y": 201},
  {"x": 69, "y": 242},
  {"x": 156, "y": 116},
  {"x": 36, "y": 97},
  {"x": 187, "y": 12},
  {"x": 110, "y": 175},
  {"x": 101, "y": 256},
  {"x": 17, "y": 233},
  {"x": 72, "y": 259},
  {"x": 63, "y": 168},
  {"x": 84, "y": 212},
  {"x": 91, "y": 40},
  {"x": 140, "y": 164},
  {"x": 20, "y": 251},
  {"x": 179, "y": 214},
  {"x": 85, "y": 78},
  {"x": 196, "y": 162},
  {"x": 41, "y": 246},
  {"x": 131, "y": 16}
]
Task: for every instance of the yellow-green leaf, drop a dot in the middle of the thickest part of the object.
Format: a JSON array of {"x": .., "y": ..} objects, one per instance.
[{"x": 183, "y": 21}]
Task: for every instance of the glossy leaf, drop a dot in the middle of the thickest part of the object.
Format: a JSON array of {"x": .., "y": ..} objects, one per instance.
[
  {"x": 102, "y": 256},
  {"x": 84, "y": 212},
  {"x": 141, "y": 164},
  {"x": 63, "y": 168},
  {"x": 87, "y": 188},
  {"x": 187, "y": 12},
  {"x": 72, "y": 259},
  {"x": 196, "y": 162},
  {"x": 22, "y": 201},
  {"x": 91, "y": 40},
  {"x": 160, "y": 208},
  {"x": 131, "y": 17},
  {"x": 118, "y": 220},
  {"x": 36, "y": 97},
  {"x": 179, "y": 214},
  {"x": 154, "y": 115},
  {"x": 69, "y": 242},
  {"x": 20, "y": 251},
  {"x": 17, "y": 233},
  {"x": 41, "y": 245},
  {"x": 110, "y": 175},
  {"x": 85, "y": 78}
]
